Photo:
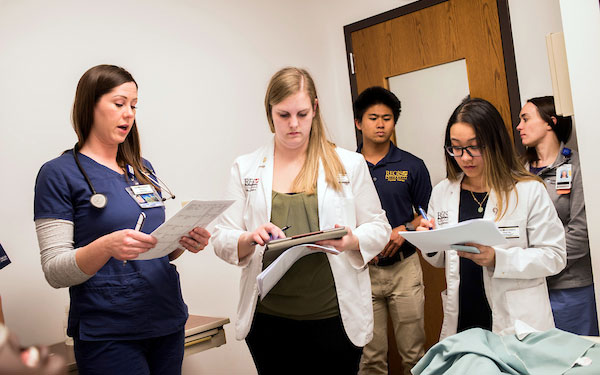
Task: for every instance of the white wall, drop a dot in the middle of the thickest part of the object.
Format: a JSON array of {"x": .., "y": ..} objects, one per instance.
[
  {"x": 202, "y": 68},
  {"x": 581, "y": 23},
  {"x": 531, "y": 21}
]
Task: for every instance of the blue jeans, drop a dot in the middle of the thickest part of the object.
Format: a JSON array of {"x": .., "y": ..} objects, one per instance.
[
  {"x": 574, "y": 310},
  {"x": 158, "y": 355}
]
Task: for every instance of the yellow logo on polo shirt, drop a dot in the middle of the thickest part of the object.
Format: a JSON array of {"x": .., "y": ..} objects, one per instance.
[{"x": 396, "y": 175}]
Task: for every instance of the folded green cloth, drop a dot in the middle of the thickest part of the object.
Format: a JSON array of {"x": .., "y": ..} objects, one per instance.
[{"x": 481, "y": 352}]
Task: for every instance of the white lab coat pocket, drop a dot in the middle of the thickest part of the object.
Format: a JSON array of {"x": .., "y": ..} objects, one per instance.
[{"x": 531, "y": 306}]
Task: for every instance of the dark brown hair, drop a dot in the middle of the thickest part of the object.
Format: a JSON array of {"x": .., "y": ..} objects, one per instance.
[
  {"x": 95, "y": 83},
  {"x": 562, "y": 128},
  {"x": 502, "y": 168}
]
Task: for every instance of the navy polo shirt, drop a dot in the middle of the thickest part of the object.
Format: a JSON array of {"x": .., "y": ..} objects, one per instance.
[{"x": 403, "y": 184}]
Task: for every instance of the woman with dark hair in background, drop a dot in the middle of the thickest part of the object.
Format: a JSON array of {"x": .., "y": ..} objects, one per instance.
[
  {"x": 126, "y": 316},
  {"x": 501, "y": 285},
  {"x": 545, "y": 133}
]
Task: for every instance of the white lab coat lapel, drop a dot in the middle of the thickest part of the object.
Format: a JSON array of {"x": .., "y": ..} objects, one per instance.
[
  {"x": 451, "y": 205},
  {"x": 266, "y": 170},
  {"x": 321, "y": 192}
]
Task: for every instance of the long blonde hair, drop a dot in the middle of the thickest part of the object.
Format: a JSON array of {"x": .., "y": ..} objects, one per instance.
[
  {"x": 502, "y": 169},
  {"x": 289, "y": 81}
]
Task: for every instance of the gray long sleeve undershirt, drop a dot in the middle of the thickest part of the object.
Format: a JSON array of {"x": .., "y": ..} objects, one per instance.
[{"x": 55, "y": 237}]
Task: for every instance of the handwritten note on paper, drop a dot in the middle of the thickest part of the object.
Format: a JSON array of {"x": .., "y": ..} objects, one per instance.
[{"x": 194, "y": 214}]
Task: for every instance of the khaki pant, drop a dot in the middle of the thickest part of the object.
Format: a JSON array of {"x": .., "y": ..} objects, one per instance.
[{"x": 398, "y": 290}]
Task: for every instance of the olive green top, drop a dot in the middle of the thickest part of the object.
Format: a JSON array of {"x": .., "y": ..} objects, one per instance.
[{"x": 307, "y": 290}]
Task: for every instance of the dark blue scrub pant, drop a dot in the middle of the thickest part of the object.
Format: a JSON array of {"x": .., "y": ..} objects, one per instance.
[
  {"x": 160, "y": 355},
  {"x": 574, "y": 310}
]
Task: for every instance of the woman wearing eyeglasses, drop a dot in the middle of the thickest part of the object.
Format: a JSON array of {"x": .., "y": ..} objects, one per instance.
[
  {"x": 126, "y": 316},
  {"x": 502, "y": 285}
]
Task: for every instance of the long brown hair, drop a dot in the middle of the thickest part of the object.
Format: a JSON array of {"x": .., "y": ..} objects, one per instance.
[
  {"x": 289, "y": 81},
  {"x": 502, "y": 168},
  {"x": 95, "y": 83}
]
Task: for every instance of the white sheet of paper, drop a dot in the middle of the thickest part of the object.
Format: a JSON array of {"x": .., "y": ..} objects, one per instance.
[
  {"x": 194, "y": 214},
  {"x": 267, "y": 279},
  {"x": 479, "y": 231}
]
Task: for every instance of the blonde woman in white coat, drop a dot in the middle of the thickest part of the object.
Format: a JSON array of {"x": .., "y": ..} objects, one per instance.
[
  {"x": 503, "y": 286},
  {"x": 320, "y": 312}
]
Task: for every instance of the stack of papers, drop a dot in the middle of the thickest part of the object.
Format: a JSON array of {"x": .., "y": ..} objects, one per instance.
[
  {"x": 194, "y": 214},
  {"x": 271, "y": 275},
  {"x": 479, "y": 231}
]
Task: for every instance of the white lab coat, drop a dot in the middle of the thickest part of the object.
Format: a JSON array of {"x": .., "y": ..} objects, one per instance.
[
  {"x": 357, "y": 207},
  {"x": 516, "y": 287}
]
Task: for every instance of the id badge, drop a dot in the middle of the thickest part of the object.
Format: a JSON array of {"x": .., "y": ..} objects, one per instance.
[
  {"x": 564, "y": 176},
  {"x": 145, "y": 196},
  {"x": 510, "y": 232}
]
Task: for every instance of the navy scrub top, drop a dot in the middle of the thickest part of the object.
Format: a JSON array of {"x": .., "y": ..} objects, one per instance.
[{"x": 138, "y": 300}]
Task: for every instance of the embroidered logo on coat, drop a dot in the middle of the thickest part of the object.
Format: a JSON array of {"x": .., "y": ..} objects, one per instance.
[
  {"x": 396, "y": 175},
  {"x": 442, "y": 217},
  {"x": 250, "y": 184}
]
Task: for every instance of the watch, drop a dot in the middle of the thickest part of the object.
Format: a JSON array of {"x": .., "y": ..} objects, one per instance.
[{"x": 409, "y": 226}]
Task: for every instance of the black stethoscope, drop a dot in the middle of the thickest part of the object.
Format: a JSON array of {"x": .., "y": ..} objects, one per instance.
[{"x": 99, "y": 200}]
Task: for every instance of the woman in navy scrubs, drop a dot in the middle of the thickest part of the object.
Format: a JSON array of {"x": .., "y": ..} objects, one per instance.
[{"x": 126, "y": 316}]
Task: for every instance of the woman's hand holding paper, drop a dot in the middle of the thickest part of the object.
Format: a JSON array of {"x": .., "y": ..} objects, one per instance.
[{"x": 485, "y": 258}]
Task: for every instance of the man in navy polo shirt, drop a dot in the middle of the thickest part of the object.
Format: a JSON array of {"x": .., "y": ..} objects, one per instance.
[{"x": 403, "y": 184}]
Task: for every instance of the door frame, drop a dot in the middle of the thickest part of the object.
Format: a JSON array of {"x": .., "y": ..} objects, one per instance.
[{"x": 510, "y": 66}]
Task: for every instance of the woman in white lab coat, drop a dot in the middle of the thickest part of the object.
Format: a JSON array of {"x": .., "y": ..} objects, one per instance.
[
  {"x": 319, "y": 315},
  {"x": 503, "y": 286}
]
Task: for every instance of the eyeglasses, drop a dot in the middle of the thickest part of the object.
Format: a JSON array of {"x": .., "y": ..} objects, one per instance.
[{"x": 457, "y": 151}]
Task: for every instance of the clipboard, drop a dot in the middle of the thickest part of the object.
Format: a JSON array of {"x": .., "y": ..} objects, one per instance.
[{"x": 276, "y": 247}]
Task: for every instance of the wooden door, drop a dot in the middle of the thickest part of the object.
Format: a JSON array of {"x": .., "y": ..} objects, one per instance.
[{"x": 428, "y": 33}]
